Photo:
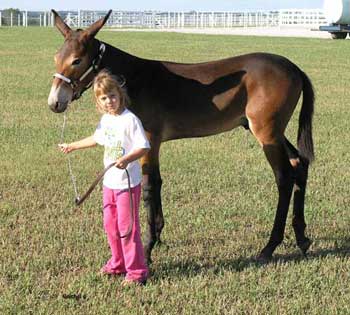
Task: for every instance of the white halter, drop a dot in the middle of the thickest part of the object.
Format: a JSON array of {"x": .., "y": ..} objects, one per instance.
[{"x": 94, "y": 65}]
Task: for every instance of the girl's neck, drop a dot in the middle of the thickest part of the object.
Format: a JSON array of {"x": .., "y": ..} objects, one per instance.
[{"x": 117, "y": 112}]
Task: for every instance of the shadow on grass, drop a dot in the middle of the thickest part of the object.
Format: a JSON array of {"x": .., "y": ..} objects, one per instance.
[
  {"x": 75, "y": 297},
  {"x": 188, "y": 268}
]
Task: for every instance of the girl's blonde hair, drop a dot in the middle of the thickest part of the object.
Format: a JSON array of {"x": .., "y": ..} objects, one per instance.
[{"x": 104, "y": 83}]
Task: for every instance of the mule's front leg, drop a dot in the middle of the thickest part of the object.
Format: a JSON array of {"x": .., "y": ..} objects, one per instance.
[
  {"x": 152, "y": 184},
  {"x": 153, "y": 205}
]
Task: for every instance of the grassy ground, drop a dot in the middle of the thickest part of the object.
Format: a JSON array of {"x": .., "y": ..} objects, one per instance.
[{"x": 216, "y": 221}]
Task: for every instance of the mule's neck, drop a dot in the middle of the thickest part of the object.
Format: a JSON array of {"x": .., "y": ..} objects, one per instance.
[{"x": 120, "y": 63}]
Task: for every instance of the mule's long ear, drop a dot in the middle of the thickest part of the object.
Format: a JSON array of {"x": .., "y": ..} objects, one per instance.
[
  {"x": 94, "y": 28},
  {"x": 61, "y": 26}
]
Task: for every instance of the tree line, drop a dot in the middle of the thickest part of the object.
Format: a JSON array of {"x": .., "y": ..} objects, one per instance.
[{"x": 33, "y": 19}]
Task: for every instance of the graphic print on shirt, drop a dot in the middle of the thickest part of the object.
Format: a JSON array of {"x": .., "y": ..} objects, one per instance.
[{"x": 113, "y": 146}]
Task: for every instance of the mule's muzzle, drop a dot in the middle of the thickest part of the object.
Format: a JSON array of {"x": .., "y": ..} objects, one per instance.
[{"x": 58, "y": 107}]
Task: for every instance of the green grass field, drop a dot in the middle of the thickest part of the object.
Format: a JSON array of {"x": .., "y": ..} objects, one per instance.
[{"x": 216, "y": 221}]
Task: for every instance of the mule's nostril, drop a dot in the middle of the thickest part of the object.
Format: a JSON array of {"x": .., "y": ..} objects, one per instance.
[{"x": 57, "y": 107}]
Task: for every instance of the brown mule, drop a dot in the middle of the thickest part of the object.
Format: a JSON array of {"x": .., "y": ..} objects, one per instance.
[{"x": 258, "y": 91}]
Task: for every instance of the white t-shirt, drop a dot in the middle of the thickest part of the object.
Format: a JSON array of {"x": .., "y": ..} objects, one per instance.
[{"x": 120, "y": 135}]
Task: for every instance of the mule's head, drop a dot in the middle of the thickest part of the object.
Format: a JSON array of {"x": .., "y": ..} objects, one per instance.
[{"x": 75, "y": 62}]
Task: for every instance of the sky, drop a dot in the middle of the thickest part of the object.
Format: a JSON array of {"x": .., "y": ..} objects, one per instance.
[{"x": 161, "y": 5}]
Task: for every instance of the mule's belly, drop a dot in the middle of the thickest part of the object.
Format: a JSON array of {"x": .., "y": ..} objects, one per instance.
[{"x": 192, "y": 128}]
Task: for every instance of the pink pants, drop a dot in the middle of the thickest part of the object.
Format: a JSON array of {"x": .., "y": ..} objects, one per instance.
[{"x": 127, "y": 253}]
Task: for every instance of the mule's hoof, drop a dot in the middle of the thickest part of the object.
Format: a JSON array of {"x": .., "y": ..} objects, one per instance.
[
  {"x": 304, "y": 246},
  {"x": 148, "y": 260},
  {"x": 162, "y": 244},
  {"x": 263, "y": 258}
]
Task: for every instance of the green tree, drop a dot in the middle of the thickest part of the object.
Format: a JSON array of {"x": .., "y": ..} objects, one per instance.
[{"x": 6, "y": 16}]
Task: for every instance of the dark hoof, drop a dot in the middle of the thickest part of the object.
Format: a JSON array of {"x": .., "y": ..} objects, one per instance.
[
  {"x": 148, "y": 257},
  {"x": 162, "y": 244},
  {"x": 264, "y": 258},
  {"x": 304, "y": 246}
]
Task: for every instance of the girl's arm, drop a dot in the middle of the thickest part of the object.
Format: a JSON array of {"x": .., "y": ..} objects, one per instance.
[
  {"x": 81, "y": 144},
  {"x": 132, "y": 156}
]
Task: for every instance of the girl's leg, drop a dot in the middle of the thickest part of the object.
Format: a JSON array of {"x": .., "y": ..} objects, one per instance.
[
  {"x": 110, "y": 223},
  {"x": 135, "y": 265}
]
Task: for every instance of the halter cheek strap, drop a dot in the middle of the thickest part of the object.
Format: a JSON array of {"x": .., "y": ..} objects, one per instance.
[
  {"x": 62, "y": 77},
  {"x": 95, "y": 64}
]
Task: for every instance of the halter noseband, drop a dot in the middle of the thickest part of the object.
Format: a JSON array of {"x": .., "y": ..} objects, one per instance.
[{"x": 94, "y": 66}]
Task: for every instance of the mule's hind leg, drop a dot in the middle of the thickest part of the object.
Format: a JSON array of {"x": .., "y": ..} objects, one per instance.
[
  {"x": 301, "y": 167},
  {"x": 276, "y": 154}
]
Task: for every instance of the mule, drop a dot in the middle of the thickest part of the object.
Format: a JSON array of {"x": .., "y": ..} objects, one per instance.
[{"x": 258, "y": 91}]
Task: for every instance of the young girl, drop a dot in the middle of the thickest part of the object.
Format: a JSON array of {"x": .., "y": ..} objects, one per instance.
[{"x": 122, "y": 135}]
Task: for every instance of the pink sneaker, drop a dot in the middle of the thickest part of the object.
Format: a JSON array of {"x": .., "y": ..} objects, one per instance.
[{"x": 107, "y": 269}]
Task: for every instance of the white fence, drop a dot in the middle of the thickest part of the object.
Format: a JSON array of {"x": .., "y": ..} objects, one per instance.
[
  {"x": 154, "y": 19},
  {"x": 26, "y": 18}
]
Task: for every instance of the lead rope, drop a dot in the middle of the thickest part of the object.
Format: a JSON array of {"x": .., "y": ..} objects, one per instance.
[
  {"x": 79, "y": 200},
  {"x": 72, "y": 177}
]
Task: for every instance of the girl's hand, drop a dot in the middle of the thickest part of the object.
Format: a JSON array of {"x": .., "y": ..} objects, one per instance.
[
  {"x": 121, "y": 163},
  {"x": 65, "y": 147}
]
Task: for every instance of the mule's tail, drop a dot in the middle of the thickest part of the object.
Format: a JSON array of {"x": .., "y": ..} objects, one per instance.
[{"x": 305, "y": 142}]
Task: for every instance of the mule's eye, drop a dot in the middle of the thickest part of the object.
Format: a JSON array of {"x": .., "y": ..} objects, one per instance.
[{"x": 76, "y": 62}]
